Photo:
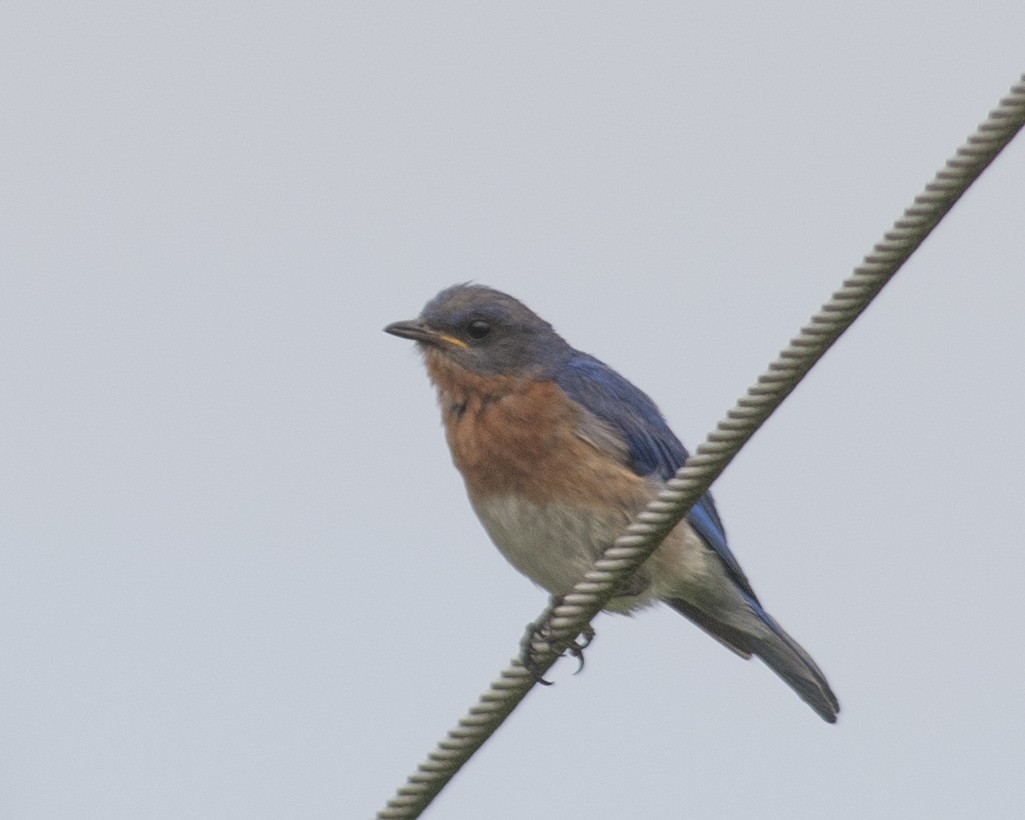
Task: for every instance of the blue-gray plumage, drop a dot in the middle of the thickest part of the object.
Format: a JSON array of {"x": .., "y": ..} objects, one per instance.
[{"x": 559, "y": 451}]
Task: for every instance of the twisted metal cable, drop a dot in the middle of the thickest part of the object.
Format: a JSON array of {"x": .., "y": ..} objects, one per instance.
[{"x": 564, "y": 622}]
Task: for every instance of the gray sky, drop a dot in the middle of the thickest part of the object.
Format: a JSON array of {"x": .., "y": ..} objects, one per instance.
[{"x": 238, "y": 573}]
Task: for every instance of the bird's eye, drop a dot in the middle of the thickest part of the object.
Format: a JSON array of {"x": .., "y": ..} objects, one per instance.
[{"x": 478, "y": 329}]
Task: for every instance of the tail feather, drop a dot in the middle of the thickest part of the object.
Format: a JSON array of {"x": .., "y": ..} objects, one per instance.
[{"x": 781, "y": 653}]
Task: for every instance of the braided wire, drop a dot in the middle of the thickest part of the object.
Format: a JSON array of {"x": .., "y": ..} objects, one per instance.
[{"x": 565, "y": 621}]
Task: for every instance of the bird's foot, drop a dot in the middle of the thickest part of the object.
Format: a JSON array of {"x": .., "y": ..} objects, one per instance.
[{"x": 540, "y": 631}]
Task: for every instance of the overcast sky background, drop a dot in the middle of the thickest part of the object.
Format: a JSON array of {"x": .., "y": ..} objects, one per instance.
[{"x": 238, "y": 573}]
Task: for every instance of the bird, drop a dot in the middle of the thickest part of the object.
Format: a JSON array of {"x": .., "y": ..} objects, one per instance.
[{"x": 558, "y": 452}]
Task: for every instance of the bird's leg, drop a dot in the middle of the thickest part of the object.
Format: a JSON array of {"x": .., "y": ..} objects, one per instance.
[
  {"x": 536, "y": 631},
  {"x": 540, "y": 630}
]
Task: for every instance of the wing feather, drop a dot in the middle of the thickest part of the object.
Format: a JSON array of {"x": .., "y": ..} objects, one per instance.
[{"x": 647, "y": 444}]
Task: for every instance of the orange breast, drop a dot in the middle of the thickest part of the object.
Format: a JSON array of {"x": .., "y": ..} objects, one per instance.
[{"x": 519, "y": 437}]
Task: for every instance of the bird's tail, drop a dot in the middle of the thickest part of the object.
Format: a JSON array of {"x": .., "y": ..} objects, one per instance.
[{"x": 781, "y": 653}]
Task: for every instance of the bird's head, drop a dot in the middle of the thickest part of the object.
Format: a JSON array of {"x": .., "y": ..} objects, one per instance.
[{"x": 487, "y": 332}]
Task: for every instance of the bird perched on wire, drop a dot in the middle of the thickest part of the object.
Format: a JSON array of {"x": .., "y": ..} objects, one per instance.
[{"x": 559, "y": 451}]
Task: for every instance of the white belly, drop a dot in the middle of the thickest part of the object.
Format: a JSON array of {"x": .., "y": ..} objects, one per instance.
[
  {"x": 552, "y": 544},
  {"x": 555, "y": 545}
]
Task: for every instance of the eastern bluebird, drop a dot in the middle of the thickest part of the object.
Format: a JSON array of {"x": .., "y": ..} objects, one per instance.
[{"x": 558, "y": 452}]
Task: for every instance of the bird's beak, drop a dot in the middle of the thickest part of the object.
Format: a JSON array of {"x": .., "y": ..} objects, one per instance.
[{"x": 420, "y": 332}]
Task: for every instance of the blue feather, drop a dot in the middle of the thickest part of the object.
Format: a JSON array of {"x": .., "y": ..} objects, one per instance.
[{"x": 652, "y": 446}]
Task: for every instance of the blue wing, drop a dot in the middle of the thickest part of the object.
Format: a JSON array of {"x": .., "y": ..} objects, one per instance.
[{"x": 651, "y": 446}]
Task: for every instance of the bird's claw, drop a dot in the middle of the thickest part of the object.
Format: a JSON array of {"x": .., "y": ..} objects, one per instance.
[
  {"x": 576, "y": 647},
  {"x": 540, "y": 631}
]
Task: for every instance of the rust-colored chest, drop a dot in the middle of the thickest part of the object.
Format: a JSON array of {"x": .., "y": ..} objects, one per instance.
[{"x": 519, "y": 437}]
